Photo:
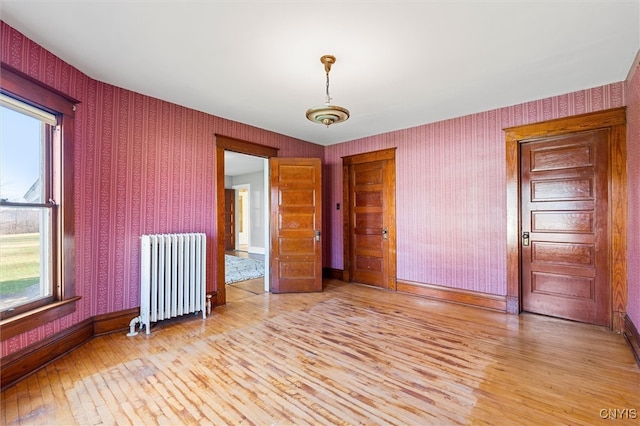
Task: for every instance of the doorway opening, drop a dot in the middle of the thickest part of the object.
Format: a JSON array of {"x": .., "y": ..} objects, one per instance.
[
  {"x": 246, "y": 178},
  {"x": 226, "y": 146}
]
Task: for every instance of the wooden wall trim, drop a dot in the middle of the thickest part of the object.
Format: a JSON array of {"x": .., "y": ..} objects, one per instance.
[
  {"x": 618, "y": 203},
  {"x": 23, "y": 363},
  {"x": 114, "y": 321},
  {"x": 454, "y": 295},
  {"x": 245, "y": 147},
  {"x": 26, "y": 321},
  {"x": 30, "y": 90},
  {"x": 226, "y": 143},
  {"x": 219, "y": 286},
  {"x": 20, "y": 364},
  {"x": 367, "y": 157},
  {"x": 631, "y": 335},
  {"x": 613, "y": 119},
  {"x": 576, "y": 123}
]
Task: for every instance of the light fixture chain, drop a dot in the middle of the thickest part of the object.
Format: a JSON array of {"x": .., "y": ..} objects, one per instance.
[{"x": 328, "y": 97}]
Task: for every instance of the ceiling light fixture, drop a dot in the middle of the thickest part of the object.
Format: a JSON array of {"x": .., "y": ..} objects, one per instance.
[{"x": 328, "y": 114}]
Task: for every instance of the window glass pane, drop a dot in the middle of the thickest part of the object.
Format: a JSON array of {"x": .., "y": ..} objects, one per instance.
[
  {"x": 25, "y": 233},
  {"x": 25, "y": 260},
  {"x": 21, "y": 157}
]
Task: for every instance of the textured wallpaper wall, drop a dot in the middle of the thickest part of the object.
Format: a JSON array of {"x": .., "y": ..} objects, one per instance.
[
  {"x": 141, "y": 166},
  {"x": 451, "y": 190},
  {"x": 633, "y": 176}
]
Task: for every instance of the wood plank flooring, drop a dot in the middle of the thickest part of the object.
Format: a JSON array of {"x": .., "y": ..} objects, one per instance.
[
  {"x": 349, "y": 355},
  {"x": 244, "y": 289}
]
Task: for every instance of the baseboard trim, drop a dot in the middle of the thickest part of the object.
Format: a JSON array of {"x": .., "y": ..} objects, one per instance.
[
  {"x": 447, "y": 294},
  {"x": 23, "y": 363},
  {"x": 631, "y": 335},
  {"x": 114, "y": 321},
  {"x": 332, "y": 273}
]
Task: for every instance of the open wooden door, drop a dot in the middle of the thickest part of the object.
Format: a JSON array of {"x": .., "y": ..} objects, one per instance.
[
  {"x": 229, "y": 219},
  {"x": 296, "y": 221}
]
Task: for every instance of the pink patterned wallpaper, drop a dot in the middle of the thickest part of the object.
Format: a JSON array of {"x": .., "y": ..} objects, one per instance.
[
  {"x": 141, "y": 166},
  {"x": 451, "y": 190},
  {"x": 633, "y": 176}
]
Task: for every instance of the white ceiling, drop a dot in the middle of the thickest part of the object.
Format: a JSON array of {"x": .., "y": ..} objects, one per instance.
[{"x": 399, "y": 63}]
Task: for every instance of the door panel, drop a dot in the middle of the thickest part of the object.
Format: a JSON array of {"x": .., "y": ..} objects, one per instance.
[
  {"x": 369, "y": 222},
  {"x": 229, "y": 219},
  {"x": 296, "y": 221},
  {"x": 565, "y": 261}
]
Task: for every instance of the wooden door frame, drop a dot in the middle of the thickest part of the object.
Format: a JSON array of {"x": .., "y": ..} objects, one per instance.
[
  {"x": 385, "y": 154},
  {"x": 226, "y": 143},
  {"x": 615, "y": 121}
]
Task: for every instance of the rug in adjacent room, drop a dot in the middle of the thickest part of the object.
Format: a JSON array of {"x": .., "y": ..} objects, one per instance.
[{"x": 242, "y": 269}]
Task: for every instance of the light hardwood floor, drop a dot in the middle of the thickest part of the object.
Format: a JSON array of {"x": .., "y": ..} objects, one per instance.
[
  {"x": 244, "y": 289},
  {"x": 349, "y": 355}
]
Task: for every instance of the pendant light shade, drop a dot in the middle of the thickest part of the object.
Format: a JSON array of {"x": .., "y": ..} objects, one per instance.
[{"x": 328, "y": 114}]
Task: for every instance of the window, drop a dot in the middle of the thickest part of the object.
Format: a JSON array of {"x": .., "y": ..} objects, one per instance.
[
  {"x": 27, "y": 206},
  {"x": 36, "y": 204}
]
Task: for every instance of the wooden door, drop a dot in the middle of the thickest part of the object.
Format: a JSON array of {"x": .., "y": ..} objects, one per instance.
[
  {"x": 229, "y": 219},
  {"x": 369, "y": 203},
  {"x": 296, "y": 222},
  {"x": 565, "y": 258}
]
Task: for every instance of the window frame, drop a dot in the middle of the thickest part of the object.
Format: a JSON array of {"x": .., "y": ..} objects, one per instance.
[
  {"x": 46, "y": 202},
  {"x": 33, "y": 92}
]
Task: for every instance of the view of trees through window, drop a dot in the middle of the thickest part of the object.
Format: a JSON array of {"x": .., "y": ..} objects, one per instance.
[{"x": 25, "y": 207}]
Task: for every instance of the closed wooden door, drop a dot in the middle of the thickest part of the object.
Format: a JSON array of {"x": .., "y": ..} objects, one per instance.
[
  {"x": 296, "y": 222},
  {"x": 369, "y": 202},
  {"x": 565, "y": 258},
  {"x": 229, "y": 219}
]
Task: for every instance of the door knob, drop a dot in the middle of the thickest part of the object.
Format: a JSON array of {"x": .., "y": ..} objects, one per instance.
[
  {"x": 525, "y": 238},
  {"x": 317, "y": 235},
  {"x": 385, "y": 233}
]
